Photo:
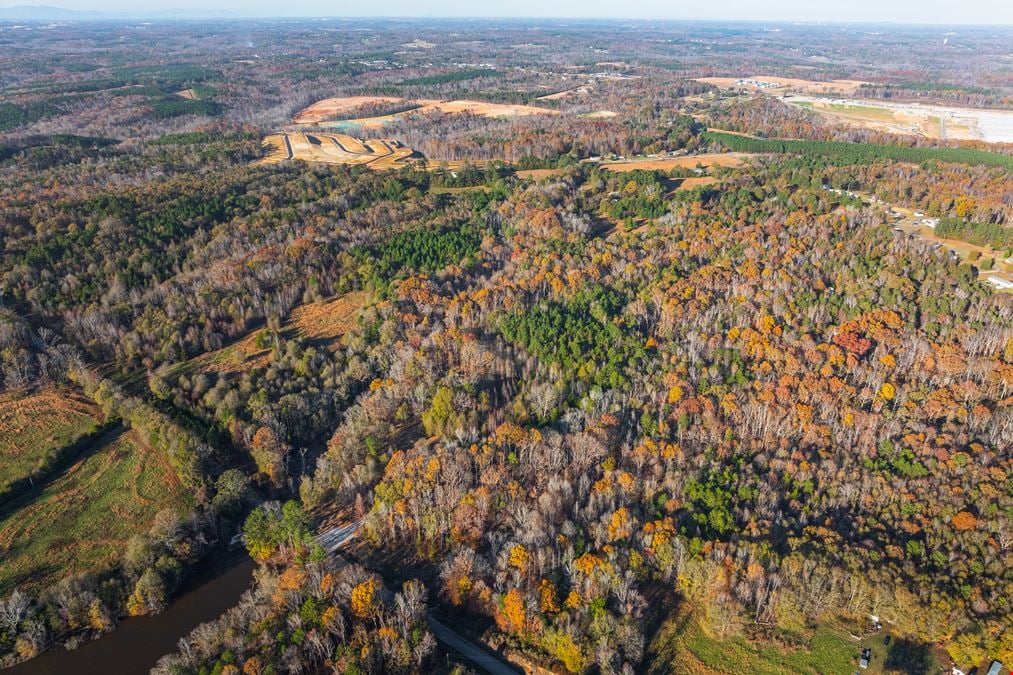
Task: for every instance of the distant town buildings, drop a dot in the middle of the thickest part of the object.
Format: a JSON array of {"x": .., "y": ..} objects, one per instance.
[{"x": 757, "y": 84}]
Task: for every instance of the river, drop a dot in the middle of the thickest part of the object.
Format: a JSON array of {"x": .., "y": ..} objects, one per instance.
[{"x": 136, "y": 644}]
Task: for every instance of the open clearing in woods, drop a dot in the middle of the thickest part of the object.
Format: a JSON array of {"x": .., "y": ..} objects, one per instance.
[
  {"x": 931, "y": 121},
  {"x": 82, "y": 521},
  {"x": 35, "y": 426},
  {"x": 322, "y": 323},
  {"x": 683, "y": 645},
  {"x": 728, "y": 159},
  {"x": 330, "y": 107}
]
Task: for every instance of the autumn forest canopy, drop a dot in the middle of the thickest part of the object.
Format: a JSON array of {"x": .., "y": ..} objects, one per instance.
[{"x": 530, "y": 334}]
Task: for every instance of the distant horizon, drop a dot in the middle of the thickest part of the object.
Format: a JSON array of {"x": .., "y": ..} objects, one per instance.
[{"x": 934, "y": 13}]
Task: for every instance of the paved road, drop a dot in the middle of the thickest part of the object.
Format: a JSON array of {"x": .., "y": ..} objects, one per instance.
[
  {"x": 463, "y": 648},
  {"x": 457, "y": 645},
  {"x": 336, "y": 537}
]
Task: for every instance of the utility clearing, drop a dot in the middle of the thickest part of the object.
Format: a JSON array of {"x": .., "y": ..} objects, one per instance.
[{"x": 36, "y": 426}]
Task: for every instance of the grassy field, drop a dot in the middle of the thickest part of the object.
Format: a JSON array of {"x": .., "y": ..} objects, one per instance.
[
  {"x": 34, "y": 427},
  {"x": 83, "y": 519},
  {"x": 684, "y": 646},
  {"x": 859, "y": 111}
]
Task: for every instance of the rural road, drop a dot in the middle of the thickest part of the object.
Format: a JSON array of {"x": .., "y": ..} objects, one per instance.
[
  {"x": 464, "y": 648},
  {"x": 459, "y": 646},
  {"x": 336, "y": 537}
]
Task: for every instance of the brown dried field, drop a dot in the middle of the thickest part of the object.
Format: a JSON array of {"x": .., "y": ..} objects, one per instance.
[
  {"x": 538, "y": 174},
  {"x": 699, "y": 181},
  {"x": 323, "y": 323},
  {"x": 729, "y": 159}
]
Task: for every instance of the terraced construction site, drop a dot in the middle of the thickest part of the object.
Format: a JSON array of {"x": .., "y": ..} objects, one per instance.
[{"x": 336, "y": 149}]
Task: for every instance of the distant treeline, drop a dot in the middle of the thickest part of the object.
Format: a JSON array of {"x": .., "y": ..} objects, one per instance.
[
  {"x": 857, "y": 153},
  {"x": 12, "y": 149},
  {"x": 171, "y": 106},
  {"x": 455, "y": 76}
]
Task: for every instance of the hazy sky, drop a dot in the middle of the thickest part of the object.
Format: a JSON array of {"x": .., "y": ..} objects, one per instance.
[{"x": 907, "y": 11}]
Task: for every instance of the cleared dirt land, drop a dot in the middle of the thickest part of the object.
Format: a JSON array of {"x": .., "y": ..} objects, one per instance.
[
  {"x": 83, "y": 520},
  {"x": 323, "y": 323},
  {"x": 335, "y": 149},
  {"x": 332, "y": 148},
  {"x": 33, "y": 427},
  {"x": 993, "y": 126},
  {"x": 329, "y": 107},
  {"x": 782, "y": 85}
]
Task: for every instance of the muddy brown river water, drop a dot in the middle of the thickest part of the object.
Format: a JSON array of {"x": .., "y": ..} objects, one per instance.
[{"x": 136, "y": 644}]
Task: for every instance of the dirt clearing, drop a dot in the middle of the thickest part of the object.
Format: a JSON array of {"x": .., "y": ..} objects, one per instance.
[
  {"x": 781, "y": 85},
  {"x": 328, "y": 107}
]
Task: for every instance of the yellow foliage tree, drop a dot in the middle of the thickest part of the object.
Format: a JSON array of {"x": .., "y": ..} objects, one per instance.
[{"x": 362, "y": 598}]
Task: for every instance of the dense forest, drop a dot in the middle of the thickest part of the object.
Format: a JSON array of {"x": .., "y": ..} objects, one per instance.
[{"x": 612, "y": 388}]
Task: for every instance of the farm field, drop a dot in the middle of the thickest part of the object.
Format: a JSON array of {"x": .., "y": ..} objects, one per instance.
[
  {"x": 321, "y": 110},
  {"x": 784, "y": 84},
  {"x": 82, "y": 521},
  {"x": 993, "y": 126},
  {"x": 321, "y": 322},
  {"x": 34, "y": 427}
]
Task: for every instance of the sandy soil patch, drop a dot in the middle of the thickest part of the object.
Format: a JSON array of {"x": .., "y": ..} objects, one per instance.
[
  {"x": 329, "y": 107},
  {"x": 188, "y": 94},
  {"x": 602, "y": 114}
]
